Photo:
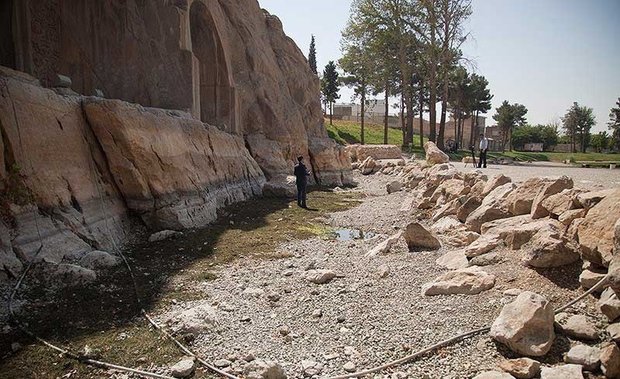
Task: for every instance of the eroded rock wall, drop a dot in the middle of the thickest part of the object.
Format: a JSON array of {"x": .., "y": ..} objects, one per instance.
[
  {"x": 145, "y": 52},
  {"x": 75, "y": 167}
]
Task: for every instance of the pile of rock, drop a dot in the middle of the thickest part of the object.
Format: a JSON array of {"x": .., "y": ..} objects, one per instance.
[{"x": 548, "y": 223}]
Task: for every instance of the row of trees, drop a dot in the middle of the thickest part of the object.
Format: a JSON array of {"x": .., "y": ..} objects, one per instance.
[{"x": 410, "y": 49}]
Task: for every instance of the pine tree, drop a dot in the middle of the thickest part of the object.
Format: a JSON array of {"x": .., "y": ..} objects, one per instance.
[
  {"x": 312, "y": 56},
  {"x": 330, "y": 86}
]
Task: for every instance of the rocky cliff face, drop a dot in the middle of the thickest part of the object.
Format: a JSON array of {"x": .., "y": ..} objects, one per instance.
[
  {"x": 226, "y": 103},
  {"x": 75, "y": 167},
  {"x": 227, "y": 62}
]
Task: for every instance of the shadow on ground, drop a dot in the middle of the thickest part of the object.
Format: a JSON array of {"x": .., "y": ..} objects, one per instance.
[{"x": 105, "y": 315}]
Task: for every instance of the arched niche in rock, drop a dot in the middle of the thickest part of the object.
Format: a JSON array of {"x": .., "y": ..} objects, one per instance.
[{"x": 213, "y": 90}]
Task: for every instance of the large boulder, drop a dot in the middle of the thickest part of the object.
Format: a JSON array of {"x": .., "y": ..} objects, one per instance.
[
  {"x": 369, "y": 166},
  {"x": 453, "y": 260},
  {"x": 521, "y": 199},
  {"x": 470, "y": 205},
  {"x": 419, "y": 238},
  {"x": 434, "y": 155},
  {"x": 609, "y": 304},
  {"x": 493, "y": 183},
  {"x": 557, "y": 204},
  {"x": 588, "y": 200},
  {"x": 549, "y": 248},
  {"x": 483, "y": 245},
  {"x": 468, "y": 281},
  {"x": 377, "y": 152},
  {"x": 596, "y": 233},
  {"x": 200, "y": 318},
  {"x": 610, "y": 360},
  {"x": 526, "y": 325},
  {"x": 587, "y": 356},
  {"x": 550, "y": 188},
  {"x": 97, "y": 260},
  {"x": 578, "y": 326},
  {"x": 493, "y": 207}
]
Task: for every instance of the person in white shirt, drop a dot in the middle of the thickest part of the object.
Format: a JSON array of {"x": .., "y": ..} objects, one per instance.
[{"x": 484, "y": 147}]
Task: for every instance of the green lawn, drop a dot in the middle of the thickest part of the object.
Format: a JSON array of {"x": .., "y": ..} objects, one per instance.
[{"x": 348, "y": 132}]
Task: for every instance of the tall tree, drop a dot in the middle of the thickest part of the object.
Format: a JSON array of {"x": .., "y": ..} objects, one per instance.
[
  {"x": 312, "y": 56},
  {"x": 578, "y": 121},
  {"x": 330, "y": 87},
  {"x": 459, "y": 99},
  {"x": 614, "y": 125},
  {"x": 480, "y": 102},
  {"x": 509, "y": 116},
  {"x": 600, "y": 141}
]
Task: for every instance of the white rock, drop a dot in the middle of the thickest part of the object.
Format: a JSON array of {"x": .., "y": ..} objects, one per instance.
[
  {"x": 468, "y": 281},
  {"x": 385, "y": 246},
  {"x": 614, "y": 332},
  {"x": 453, "y": 260},
  {"x": 578, "y": 326},
  {"x": 183, "y": 368},
  {"x": 587, "y": 356},
  {"x": 526, "y": 325},
  {"x": 320, "y": 276},
  {"x": 163, "y": 235},
  {"x": 198, "y": 319},
  {"x": 349, "y": 367},
  {"x": 384, "y": 271},
  {"x": 260, "y": 369},
  {"x": 221, "y": 363},
  {"x": 562, "y": 372}
]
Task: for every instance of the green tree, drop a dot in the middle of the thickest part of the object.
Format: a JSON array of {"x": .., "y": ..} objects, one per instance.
[
  {"x": 330, "y": 87},
  {"x": 600, "y": 141},
  {"x": 524, "y": 134},
  {"x": 614, "y": 125},
  {"x": 459, "y": 96},
  {"x": 312, "y": 56},
  {"x": 578, "y": 122},
  {"x": 509, "y": 116},
  {"x": 480, "y": 102}
]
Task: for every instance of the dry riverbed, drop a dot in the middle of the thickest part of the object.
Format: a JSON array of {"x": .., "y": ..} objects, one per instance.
[{"x": 250, "y": 267}]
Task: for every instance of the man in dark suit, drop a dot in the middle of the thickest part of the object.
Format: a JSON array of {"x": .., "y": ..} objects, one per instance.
[{"x": 301, "y": 176}]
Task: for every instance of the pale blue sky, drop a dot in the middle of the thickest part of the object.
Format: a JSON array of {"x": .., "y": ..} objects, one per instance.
[{"x": 544, "y": 54}]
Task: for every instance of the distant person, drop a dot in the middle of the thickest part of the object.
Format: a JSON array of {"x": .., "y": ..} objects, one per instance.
[
  {"x": 301, "y": 179},
  {"x": 484, "y": 147}
]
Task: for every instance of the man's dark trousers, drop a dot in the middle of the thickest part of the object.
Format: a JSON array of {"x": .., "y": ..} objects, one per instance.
[
  {"x": 483, "y": 159},
  {"x": 301, "y": 194}
]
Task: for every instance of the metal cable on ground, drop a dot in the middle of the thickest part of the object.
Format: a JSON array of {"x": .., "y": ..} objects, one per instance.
[{"x": 458, "y": 338}]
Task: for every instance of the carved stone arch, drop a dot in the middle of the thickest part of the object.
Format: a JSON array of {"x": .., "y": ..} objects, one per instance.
[{"x": 213, "y": 88}]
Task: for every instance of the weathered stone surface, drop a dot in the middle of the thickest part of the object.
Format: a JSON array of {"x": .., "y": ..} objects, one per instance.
[
  {"x": 468, "y": 281},
  {"x": 557, "y": 204},
  {"x": 596, "y": 232},
  {"x": 447, "y": 209},
  {"x": 521, "y": 199},
  {"x": 569, "y": 371},
  {"x": 579, "y": 327},
  {"x": 8, "y": 259},
  {"x": 548, "y": 248},
  {"x": 526, "y": 325},
  {"x": 590, "y": 277},
  {"x": 567, "y": 217},
  {"x": 521, "y": 368},
  {"x": 587, "y": 356},
  {"x": 551, "y": 187},
  {"x": 361, "y": 152},
  {"x": 394, "y": 186},
  {"x": 434, "y": 155},
  {"x": 487, "y": 259},
  {"x": 483, "y": 245},
  {"x": 614, "y": 267},
  {"x": 494, "y": 182},
  {"x": 142, "y": 150},
  {"x": 198, "y": 319},
  {"x": 494, "y": 375},
  {"x": 260, "y": 369},
  {"x": 385, "y": 246},
  {"x": 164, "y": 235},
  {"x": 184, "y": 368},
  {"x": 97, "y": 260},
  {"x": 470, "y": 205},
  {"x": 614, "y": 332},
  {"x": 588, "y": 200},
  {"x": 369, "y": 166},
  {"x": 419, "y": 238},
  {"x": 453, "y": 260},
  {"x": 492, "y": 208},
  {"x": 609, "y": 304},
  {"x": 320, "y": 276},
  {"x": 610, "y": 360}
]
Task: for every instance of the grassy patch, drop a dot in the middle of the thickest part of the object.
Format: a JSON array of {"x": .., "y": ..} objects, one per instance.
[
  {"x": 104, "y": 315},
  {"x": 348, "y": 132}
]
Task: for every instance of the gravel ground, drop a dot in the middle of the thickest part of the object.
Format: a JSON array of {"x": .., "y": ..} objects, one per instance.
[
  {"x": 586, "y": 178},
  {"x": 359, "y": 317}
]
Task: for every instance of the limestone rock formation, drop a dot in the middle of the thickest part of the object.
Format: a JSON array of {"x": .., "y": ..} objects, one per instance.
[
  {"x": 434, "y": 155},
  {"x": 358, "y": 153},
  {"x": 418, "y": 237},
  {"x": 526, "y": 325},
  {"x": 467, "y": 281},
  {"x": 596, "y": 232}
]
